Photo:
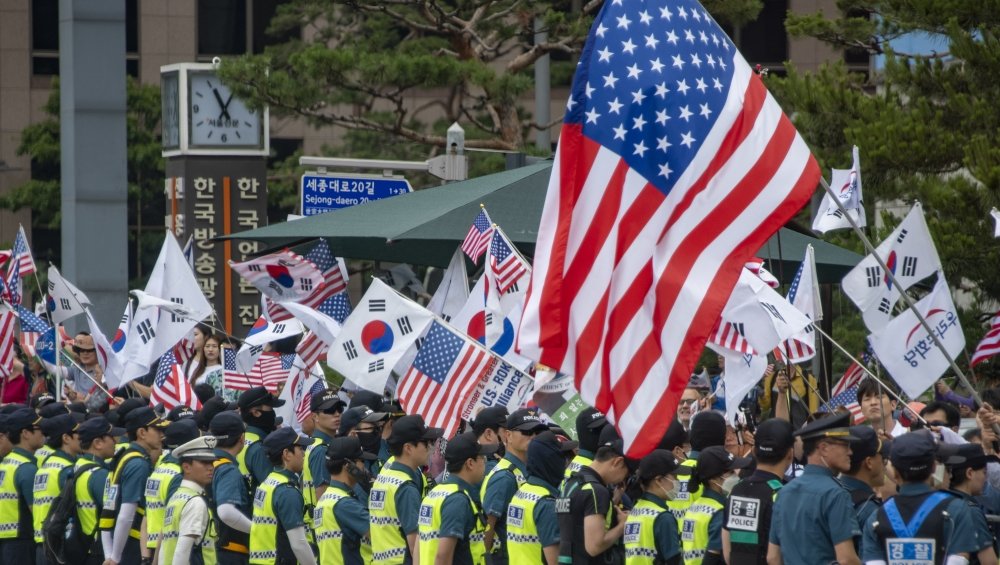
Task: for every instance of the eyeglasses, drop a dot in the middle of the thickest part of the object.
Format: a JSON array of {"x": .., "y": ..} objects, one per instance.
[
  {"x": 532, "y": 432},
  {"x": 332, "y": 411},
  {"x": 687, "y": 401},
  {"x": 83, "y": 350}
]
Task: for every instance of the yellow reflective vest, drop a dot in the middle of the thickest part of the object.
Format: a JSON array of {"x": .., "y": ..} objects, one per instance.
[
  {"x": 429, "y": 524},
  {"x": 694, "y": 529},
  {"x": 523, "y": 543},
  {"x": 47, "y": 488},
  {"x": 268, "y": 542},
  {"x": 389, "y": 545},
  {"x": 86, "y": 504},
  {"x": 329, "y": 533},
  {"x": 640, "y": 538},
  {"x": 157, "y": 495},
  {"x": 679, "y": 506},
  {"x": 249, "y": 438},
  {"x": 15, "y": 512},
  {"x": 112, "y": 492},
  {"x": 203, "y": 552}
]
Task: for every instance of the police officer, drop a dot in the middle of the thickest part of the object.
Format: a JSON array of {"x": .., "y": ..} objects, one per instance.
[
  {"x": 968, "y": 480},
  {"x": 396, "y": 493},
  {"x": 866, "y": 474},
  {"x": 532, "y": 524},
  {"x": 701, "y": 532},
  {"x": 277, "y": 530},
  {"x": 591, "y": 522},
  {"x": 340, "y": 517},
  {"x": 365, "y": 424},
  {"x": 506, "y": 477},
  {"x": 451, "y": 522},
  {"x": 5, "y": 445},
  {"x": 17, "y": 477},
  {"x": 589, "y": 424},
  {"x": 747, "y": 520},
  {"x": 813, "y": 521},
  {"x": 97, "y": 442},
  {"x": 489, "y": 426},
  {"x": 189, "y": 533},
  {"x": 166, "y": 476},
  {"x": 124, "y": 505},
  {"x": 231, "y": 494},
  {"x": 46, "y": 411},
  {"x": 920, "y": 524},
  {"x": 51, "y": 477},
  {"x": 651, "y": 532},
  {"x": 257, "y": 409},
  {"x": 327, "y": 408},
  {"x": 708, "y": 429}
]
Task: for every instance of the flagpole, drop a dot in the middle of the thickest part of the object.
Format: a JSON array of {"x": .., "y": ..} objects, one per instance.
[
  {"x": 902, "y": 291},
  {"x": 84, "y": 371},
  {"x": 41, "y": 295},
  {"x": 867, "y": 371},
  {"x": 58, "y": 344}
]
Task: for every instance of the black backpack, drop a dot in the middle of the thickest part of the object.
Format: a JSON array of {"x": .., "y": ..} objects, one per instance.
[{"x": 63, "y": 537}]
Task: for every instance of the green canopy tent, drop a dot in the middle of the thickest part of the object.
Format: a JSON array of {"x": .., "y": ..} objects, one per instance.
[{"x": 425, "y": 227}]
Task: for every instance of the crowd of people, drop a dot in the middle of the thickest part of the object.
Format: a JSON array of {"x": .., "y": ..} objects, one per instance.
[{"x": 98, "y": 479}]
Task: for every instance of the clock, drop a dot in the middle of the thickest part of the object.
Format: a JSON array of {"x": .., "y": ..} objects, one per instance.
[{"x": 202, "y": 116}]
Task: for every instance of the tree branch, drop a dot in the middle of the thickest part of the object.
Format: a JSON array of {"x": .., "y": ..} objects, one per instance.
[{"x": 528, "y": 58}]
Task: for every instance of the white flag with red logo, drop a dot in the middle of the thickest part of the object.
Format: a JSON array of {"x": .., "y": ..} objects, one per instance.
[
  {"x": 910, "y": 255},
  {"x": 909, "y": 353},
  {"x": 804, "y": 296},
  {"x": 283, "y": 276},
  {"x": 846, "y": 184}
]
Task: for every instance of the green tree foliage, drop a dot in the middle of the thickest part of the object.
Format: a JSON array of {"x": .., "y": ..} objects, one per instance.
[
  {"x": 360, "y": 64},
  {"x": 927, "y": 123},
  {"x": 146, "y": 204}
]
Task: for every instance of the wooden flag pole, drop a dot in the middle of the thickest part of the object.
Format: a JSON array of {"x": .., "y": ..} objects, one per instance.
[{"x": 906, "y": 297}]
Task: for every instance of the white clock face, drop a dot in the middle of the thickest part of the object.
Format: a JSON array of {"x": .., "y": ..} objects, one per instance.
[{"x": 219, "y": 119}]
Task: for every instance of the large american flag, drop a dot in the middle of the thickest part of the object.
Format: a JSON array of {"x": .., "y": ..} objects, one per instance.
[
  {"x": 674, "y": 166},
  {"x": 506, "y": 265},
  {"x": 989, "y": 345},
  {"x": 32, "y": 328},
  {"x": 479, "y": 236},
  {"x": 335, "y": 282},
  {"x": 445, "y": 372},
  {"x": 171, "y": 387}
]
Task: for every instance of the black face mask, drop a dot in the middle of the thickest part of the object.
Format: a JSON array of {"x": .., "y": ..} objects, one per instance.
[
  {"x": 370, "y": 441},
  {"x": 265, "y": 421}
]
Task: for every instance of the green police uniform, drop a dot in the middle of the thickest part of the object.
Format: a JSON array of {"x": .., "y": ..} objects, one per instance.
[
  {"x": 203, "y": 552},
  {"x": 252, "y": 436},
  {"x": 49, "y": 481},
  {"x": 471, "y": 547},
  {"x": 337, "y": 545},
  {"x": 268, "y": 535},
  {"x": 15, "y": 511},
  {"x": 389, "y": 545},
  {"x": 160, "y": 485},
  {"x": 524, "y": 545},
  {"x": 642, "y": 546},
  {"x": 679, "y": 505},
  {"x": 695, "y": 533},
  {"x": 88, "y": 495},
  {"x": 583, "y": 459}
]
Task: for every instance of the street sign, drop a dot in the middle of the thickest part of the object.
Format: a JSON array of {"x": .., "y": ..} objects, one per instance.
[{"x": 323, "y": 192}]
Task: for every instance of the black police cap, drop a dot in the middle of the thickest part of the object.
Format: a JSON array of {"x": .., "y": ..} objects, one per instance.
[
  {"x": 347, "y": 449},
  {"x": 96, "y": 428},
  {"x": 180, "y": 432},
  {"x": 832, "y": 427},
  {"x": 226, "y": 425},
  {"x": 466, "y": 446},
  {"x": 282, "y": 439},
  {"x": 258, "y": 396},
  {"x": 409, "y": 429}
]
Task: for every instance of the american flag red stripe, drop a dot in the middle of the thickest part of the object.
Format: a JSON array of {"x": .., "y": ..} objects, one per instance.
[
  {"x": 797, "y": 352},
  {"x": 506, "y": 265},
  {"x": 8, "y": 330},
  {"x": 334, "y": 281},
  {"x": 174, "y": 390},
  {"x": 480, "y": 234},
  {"x": 270, "y": 370},
  {"x": 28, "y": 341},
  {"x": 311, "y": 349},
  {"x": 22, "y": 255},
  {"x": 441, "y": 398},
  {"x": 989, "y": 345},
  {"x": 631, "y": 272},
  {"x": 852, "y": 377},
  {"x": 727, "y": 335}
]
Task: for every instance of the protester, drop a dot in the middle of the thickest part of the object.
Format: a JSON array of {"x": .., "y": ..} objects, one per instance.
[
  {"x": 189, "y": 536},
  {"x": 451, "y": 525},
  {"x": 532, "y": 525},
  {"x": 278, "y": 529},
  {"x": 746, "y": 524}
]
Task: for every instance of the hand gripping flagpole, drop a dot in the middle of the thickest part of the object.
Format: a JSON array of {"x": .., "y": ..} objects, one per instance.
[{"x": 906, "y": 297}]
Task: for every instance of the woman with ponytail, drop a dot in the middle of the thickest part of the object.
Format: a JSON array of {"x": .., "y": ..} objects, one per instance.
[{"x": 701, "y": 530}]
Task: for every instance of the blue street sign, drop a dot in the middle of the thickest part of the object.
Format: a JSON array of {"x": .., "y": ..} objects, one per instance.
[{"x": 324, "y": 192}]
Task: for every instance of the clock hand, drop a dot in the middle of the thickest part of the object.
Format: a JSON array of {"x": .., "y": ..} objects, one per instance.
[
  {"x": 222, "y": 105},
  {"x": 225, "y": 108}
]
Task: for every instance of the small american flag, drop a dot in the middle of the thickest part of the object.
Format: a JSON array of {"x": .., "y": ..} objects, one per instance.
[
  {"x": 989, "y": 345},
  {"x": 171, "y": 387},
  {"x": 32, "y": 327},
  {"x": 272, "y": 369},
  {"x": 337, "y": 306},
  {"x": 479, "y": 236},
  {"x": 22, "y": 255},
  {"x": 849, "y": 399},
  {"x": 8, "y": 330},
  {"x": 851, "y": 379},
  {"x": 231, "y": 376},
  {"x": 445, "y": 372},
  {"x": 730, "y": 336},
  {"x": 506, "y": 264},
  {"x": 304, "y": 405},
  {"x": 334, "y": 282}
]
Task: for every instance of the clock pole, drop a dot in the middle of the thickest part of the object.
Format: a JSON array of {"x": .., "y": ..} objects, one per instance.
[{"x": 216, "y": 149}]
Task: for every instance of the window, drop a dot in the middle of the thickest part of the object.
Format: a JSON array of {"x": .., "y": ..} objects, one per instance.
[
  {"x": 45, "y": 37},
  {"x": 235, "y": 27},
  {"x": 765, "y": 40},
  {"x": 263, "y": 13}
]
